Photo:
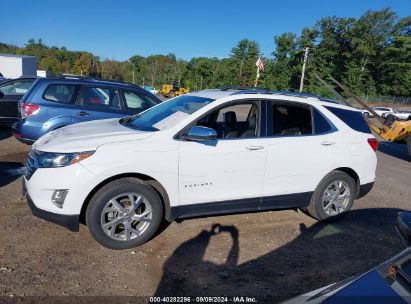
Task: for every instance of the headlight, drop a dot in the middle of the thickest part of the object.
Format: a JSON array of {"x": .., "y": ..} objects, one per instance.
[{"x": 54, "y": 160}]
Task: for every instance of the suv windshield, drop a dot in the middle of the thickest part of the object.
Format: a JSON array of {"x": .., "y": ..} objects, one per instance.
[{"x": 167, "y": 114}]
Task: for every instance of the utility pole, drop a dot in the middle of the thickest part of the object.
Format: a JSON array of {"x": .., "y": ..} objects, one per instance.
[
  {"x": 303, "y": 71},
  {"x": 133, "y": 77}
]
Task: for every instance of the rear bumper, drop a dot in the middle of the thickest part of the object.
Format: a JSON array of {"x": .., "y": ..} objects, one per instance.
[
  {"x": 72, "y": 222},
  {"x": 17, "y": 133},
  {"x": 365, "y": 189}
]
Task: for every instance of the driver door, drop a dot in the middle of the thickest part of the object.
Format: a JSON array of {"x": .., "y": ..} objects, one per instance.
[{"x": 225, "y": 174}]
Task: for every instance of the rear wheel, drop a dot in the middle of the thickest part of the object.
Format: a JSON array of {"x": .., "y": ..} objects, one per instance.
[
  {"x": 333, "y": 197},
  {"x": 124, "y": 213}
]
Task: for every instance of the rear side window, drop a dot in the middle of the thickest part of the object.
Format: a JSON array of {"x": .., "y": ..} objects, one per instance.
[
  {"x": 61, "y": 93},
  {"x": 18, "y": 87},
  {"x": 290, "y": 120},
  {"x": 353, "y": 119},
  {"x": 321, "y": 125}
]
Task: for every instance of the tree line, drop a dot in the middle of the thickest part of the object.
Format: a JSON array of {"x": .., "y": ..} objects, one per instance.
[{"x": 370, "y": 54}]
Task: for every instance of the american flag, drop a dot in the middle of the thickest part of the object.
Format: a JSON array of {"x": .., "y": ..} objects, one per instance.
[{"x": 260, "y": 64}]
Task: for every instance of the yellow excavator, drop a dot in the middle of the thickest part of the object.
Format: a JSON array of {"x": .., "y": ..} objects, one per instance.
[
  {"x": 388, "y": 128},
  {"x": 173, "y": 89}
]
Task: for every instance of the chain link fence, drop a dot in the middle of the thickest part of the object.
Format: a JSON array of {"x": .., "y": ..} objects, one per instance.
[{"x": 400, "y": 100}]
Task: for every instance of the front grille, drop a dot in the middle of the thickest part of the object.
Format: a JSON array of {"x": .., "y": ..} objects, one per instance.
[{"x": 32, "y": 164}]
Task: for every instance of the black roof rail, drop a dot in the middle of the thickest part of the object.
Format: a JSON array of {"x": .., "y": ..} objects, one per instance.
[
  {"x": 244, "y": 88},
  {"x": 74, "y": 76},
  {"x": 257, "y": 90}
]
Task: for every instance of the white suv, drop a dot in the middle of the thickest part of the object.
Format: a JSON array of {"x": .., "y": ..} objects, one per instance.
[{"x": 205, "y": 153}]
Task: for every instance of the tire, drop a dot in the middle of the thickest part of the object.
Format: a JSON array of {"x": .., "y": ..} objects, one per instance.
[
  {"x": 171, "y": 94},
  {"x": 131, "y": 225},
  {"x": 366, "y": 115},
  {"x": 336, "y": 208},
  {"x": 409, "y": 145}
]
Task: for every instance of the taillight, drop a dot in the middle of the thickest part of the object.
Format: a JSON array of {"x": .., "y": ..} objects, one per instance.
[
  {"x": 29, "y": 109},
  {"x": 373, "y": 143}
]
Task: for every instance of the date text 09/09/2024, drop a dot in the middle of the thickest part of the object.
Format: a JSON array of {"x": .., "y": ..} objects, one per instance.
[{"x": 239, "y": 299}]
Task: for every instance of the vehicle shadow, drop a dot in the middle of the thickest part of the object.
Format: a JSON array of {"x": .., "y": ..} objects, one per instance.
[
  {"x": 393, "y": 149},
  {"x": 9, "y": 172},
  {"x": 322, "y": 254}
]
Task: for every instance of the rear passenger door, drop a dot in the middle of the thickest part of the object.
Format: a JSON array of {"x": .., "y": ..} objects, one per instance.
[
  {"x": 97, "y": 102},
  {"x": 301, "y": 148}
]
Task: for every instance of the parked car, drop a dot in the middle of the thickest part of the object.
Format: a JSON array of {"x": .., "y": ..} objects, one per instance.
[
  {"x": 389, "y": 282},
  {"x": 403, "y": 114},
  {"x": 382, "y": 111},
  {"x": 53, "y": 103},
  {"x": 11, "y": 92},
  {"x": 205, "y": 153}
]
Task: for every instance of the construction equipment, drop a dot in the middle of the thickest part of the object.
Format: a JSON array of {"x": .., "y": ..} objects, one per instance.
[
  {"x": 173, "y": 89},
  {"x": 388, "y": 128}
]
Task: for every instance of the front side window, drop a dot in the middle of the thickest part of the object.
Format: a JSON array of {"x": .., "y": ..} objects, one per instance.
[
  {"x": 61, "y": 93},
  {"x": 138, "y": 101},
  {"x": 234, "y": 121},
  {"x": 18, "y": 87},
  {"x": 167, "y": 114},
  {"x": 100, "y": 97},
  {"x": 290, "y": 120}
]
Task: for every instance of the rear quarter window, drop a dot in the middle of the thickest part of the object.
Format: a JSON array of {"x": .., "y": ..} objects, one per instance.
[
  {"x": 60, "y": 93},
  {"x": 353, "y": 119}
]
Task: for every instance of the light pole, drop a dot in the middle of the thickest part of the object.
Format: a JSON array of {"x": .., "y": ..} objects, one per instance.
[{"x": 303, "y": 71}]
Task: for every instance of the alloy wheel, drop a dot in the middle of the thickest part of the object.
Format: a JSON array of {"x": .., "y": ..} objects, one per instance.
[
  {"x": 126, "y": 216},
  {"x": 336, "y": 198}
]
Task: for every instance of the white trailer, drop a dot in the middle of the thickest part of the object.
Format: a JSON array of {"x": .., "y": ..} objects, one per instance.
[{"x": 14, "y": 66}]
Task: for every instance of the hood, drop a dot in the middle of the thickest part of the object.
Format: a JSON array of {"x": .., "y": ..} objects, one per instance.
[{"x": 87, "y": 136}]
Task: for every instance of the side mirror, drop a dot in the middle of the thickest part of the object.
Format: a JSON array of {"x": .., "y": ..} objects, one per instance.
[
  {"x": 403, "y": 227},
  {"x": 198, "y": 133}
]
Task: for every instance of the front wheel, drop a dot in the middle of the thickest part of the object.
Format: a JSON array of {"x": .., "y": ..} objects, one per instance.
[
  {"x": 333, "y": 197},
  {"x": 124, "y": 214}
]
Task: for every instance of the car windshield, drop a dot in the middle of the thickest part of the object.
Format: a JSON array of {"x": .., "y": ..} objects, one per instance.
[{"x": 167, "y": 114}]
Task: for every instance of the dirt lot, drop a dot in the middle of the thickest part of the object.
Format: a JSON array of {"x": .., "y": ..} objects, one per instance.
[{"x": 272, "y": 256}]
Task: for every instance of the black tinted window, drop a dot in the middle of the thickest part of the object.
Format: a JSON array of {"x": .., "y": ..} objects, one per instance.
[
  {"x": 290, "y": 120},
  {"x": 321, "y": 125},
  {"x": 353, "y": 119},
  {"x": 61, "y": 93}
]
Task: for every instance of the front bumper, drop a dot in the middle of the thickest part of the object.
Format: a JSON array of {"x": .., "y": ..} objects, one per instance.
[{"x": 72, "y": 222}]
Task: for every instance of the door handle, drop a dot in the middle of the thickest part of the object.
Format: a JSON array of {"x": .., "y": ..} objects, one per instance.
[
  {"x": 83, "y": 113},
  {"x": 328, "y": 143},
  {"x": 253, "y": 148}
]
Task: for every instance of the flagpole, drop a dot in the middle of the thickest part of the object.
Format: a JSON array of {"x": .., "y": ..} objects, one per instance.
[{"x": 256, "y": 77}]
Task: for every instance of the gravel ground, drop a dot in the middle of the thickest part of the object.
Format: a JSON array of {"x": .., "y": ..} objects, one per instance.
[{"x": 272, "y": 255}]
